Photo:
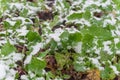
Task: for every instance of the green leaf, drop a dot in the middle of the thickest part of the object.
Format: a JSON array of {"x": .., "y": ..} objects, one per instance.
[
  {"x": 65, "y": 76},
  {"x": 61, "y": 60},
  {"x": 117, "y": 3},
  {"x": 43, "y": 54},
  {"x": 64, "y": 36},
  {"x": 17, "y": 24},
  {"x": 33, "y": 36},
  {"x": 50, "y": 75},
  {"x": 107, "y": 74},
  {"x": 75, "y": 16},
  {"x": 75, "y": 37},
  {"x": 66, "y": 4},
  {"x": 36, "y": 65},
  {"x": 6, "y": 25},
  {"x": 24, "y": 12},
  {"x": 117, "y": 66},
  {"x": 79, "y": 67},
  {"x": 87, "y": 38},
  {"x": 118, "y": 45},
  {"x": 105, "y": 56},
  {"x": 53, "y": 44},
  {"x": 70, "y": 38},
  {"x": 7, "y": 49},
  {"x": 55, "y": 21},
  {"x": 87, "y": 15},
  {"x": 99, "y": 32}
]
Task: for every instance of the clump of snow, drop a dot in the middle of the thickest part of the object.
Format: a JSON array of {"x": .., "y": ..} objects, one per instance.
[
  {"x": 83, "y": 22},
  {"x": 56, "y": 34},
  {"x": 105, "y": 4},
  {"x": 22, "y": 31},
  {"x": 41, "y": 78},
  {"x": 12, "y": 23},
  {"x": 78, "y": 47},
  {"x": 36, "y": 48},
  {"x": 97, "y": 50},
  {"x": 72, "y": 30},
  {"x": 17, "y": 56},
  {"x": 113, "y": 33},
  {"x": 95, "y": 61},
  {"x": 31, "y": 74},
  {"x": 10, "y": 74},
  {"x": 24, "y": 77},
  {"x": 2, "y": 71},
  {"x": 107, "y": 47},
  {"x": 32, "y": 9},
  {"x": 28, "y": 59},
  {"x": 108, "y": 21},
  {"x": 2, "y": 42},
  {"x": 23, "y": 19},
  {"x": 116, "y": 40},
  {"x": 118, "y": 52},
  {"x": 117, "y": 31},
  {"x": 115, "y": 69},
  {"x": 9, "y": 78},
  {"x": 90, "y": 2},
  {"x": 19, "y": 6}
]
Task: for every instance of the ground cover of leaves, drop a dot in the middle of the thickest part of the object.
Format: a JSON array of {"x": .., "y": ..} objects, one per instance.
[{"x": 59, "y": 40}]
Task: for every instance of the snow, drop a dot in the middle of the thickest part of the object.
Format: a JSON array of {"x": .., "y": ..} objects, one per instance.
[
  {"x": 83, "y": 22},
  {"x": 107, "y": 47},
  {"x": 12, "y": 23},
  {"x": 17, "y": 5},
  {"x": 9, "y": 78},
  {"x": 28, "y": 59},
  {"x": 78, "y": 47},
  {"x": 17, "y": 56},
  {"x": 36, "y": 48},
  {"x": 95, "y": 61},
  {"x": 118, "y": 52},
  {"x": 117, "y": 32},
  {"x": 41, "y": 78},
  {"x": 97, "y": 50},
  {"x": 108, "y": 2},
  {"x": 5, "y": 68},
  {"x": 115, "y": 69},
  {"x": 108, "y": 21},
  {"x": 72, "y": 30},
  {"x": 31, "y": 74},
  {"x": 24, "y": 77},
  {"x": 90, "y": 2},
  {"x": 23, "y": 31},
  {"x": 116, "y": 40},
  {"x": 2, "y": 42},
  {"x": 10, "y": 75},
  {"x": 32, "y": 9},
  {"x": 2, "y": 71},
  {"x": 55, "y": 37},
  {"x": 56, "y": 34},
  {"x": 23, "y": 19},
  {"x": 113, "y": 33}
]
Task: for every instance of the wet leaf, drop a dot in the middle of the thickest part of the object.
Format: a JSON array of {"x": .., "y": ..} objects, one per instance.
[{"x": 7, "y": 49}]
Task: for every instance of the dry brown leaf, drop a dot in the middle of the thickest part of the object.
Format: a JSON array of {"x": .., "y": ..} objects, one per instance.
[
  {"x": 51, "y": 63},
  {"x": 93, "y": 75},
  {"x": 1, "y": 27}
]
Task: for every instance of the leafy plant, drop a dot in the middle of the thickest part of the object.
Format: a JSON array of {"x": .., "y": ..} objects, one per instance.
[{"x": 59, "y": 39}]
